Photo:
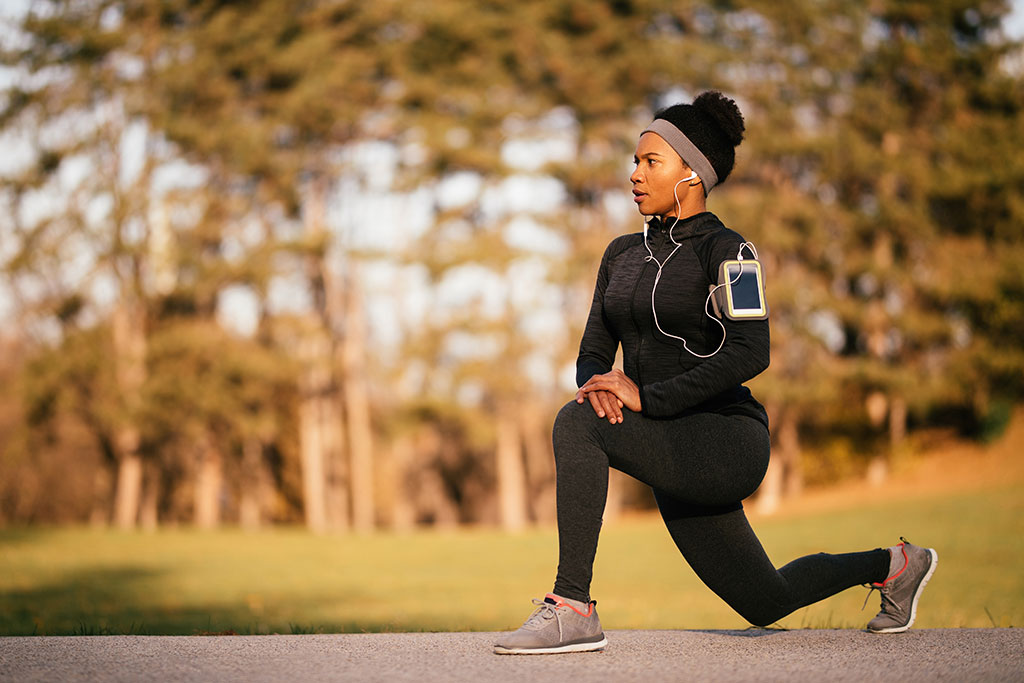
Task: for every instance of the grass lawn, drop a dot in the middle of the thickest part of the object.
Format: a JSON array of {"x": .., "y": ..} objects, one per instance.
[
  {"x": 965, "y": 500},
  {"x": 90, "y": 582}
]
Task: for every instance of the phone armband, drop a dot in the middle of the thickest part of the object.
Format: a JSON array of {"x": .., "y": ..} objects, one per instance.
[{"x": 740, "y": 291}]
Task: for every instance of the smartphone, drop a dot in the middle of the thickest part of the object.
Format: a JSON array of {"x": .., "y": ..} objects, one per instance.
[{"x": 740, "y": 295}]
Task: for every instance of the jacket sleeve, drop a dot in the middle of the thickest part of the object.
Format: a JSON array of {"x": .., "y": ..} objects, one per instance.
[
  {"x": 743, "y": 356},
  {"x": 599, "y": 343}
]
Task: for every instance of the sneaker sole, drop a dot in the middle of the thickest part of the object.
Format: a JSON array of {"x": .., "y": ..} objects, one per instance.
[
  {"x": 917, "y": 594},
  {"x": 576, "y": 647}
]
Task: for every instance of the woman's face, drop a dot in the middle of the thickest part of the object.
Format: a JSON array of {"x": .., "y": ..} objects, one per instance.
[{"x": 658, "y": 169}]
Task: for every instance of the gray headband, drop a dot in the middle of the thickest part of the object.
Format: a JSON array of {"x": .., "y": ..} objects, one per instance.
[{"x": 687, "y": 151}]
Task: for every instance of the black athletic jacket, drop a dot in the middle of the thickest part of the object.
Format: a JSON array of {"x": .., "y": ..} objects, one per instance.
[{"x": 672, "y": 381}]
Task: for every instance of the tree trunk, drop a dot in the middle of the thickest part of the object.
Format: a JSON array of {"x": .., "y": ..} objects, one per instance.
[
  {"x": 130, "y": 371},
  {"x": 357, "y": 406},
  {"x": 540, "y": 463},
  {"x": 789, "y": 446},
  {"x": 897, "y": 421},
  {"x": 100, "y": 513},
  {"x": 403, "y": 512},
  {"x": 311, "y": 434},
  {"x": 878, "y": 470},
  {"x": 769, "y": 494},
  {"x": 209, "y": 484},
  {"x": 510, "y": 472},
  {"x": 321, "y": 428},
  {"x": 312, "y": 464},
  {"x": 129, "y": 489},
  {"x": 881, "y": 464},
  {"x": 617, "y": 482},
  {"x": 432, "y": 499},
  {"x": 150, "y": 503},
  {"x": 880, "y": 408},
  {"x": 336, "y": 467},
  {"x": 253, "y": 483}
]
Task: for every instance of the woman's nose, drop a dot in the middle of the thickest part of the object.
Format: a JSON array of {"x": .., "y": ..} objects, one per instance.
[{"x": 635, "y": 177}]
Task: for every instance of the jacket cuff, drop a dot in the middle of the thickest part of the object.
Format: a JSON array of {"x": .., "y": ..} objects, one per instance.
[
  {"x": 586, "y": 371},
  {"x": 643, "y": 402}
]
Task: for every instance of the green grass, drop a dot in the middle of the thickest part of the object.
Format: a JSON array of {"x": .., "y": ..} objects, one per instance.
[{"x": 87, "y": 582}]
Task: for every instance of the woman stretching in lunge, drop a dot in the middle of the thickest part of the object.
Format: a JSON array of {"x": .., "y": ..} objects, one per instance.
[{"x": 678, "y": 418}]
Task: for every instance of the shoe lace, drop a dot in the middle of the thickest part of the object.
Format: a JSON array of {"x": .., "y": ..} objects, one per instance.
[
  {"x": 544, "y": 612},
  {"x": 888, "y": 605}
]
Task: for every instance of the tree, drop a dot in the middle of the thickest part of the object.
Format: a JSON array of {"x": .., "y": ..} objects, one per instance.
[
  {"x": 878, "y": 179},
  {"x": 158, "y": 250},
  {"x": 276, "y": 67}
]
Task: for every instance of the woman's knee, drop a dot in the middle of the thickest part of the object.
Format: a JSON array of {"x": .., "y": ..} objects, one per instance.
[
  {"x": 569, "y": 423},
  {"x": 574, "y": 424},
  {"x": 762, "y": 615},
  {"x": 758, "y": 610}
]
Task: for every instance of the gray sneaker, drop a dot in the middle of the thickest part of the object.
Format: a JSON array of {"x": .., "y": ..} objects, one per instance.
[
  {"x": 557, "y": 625},
  {"x": 902, "y": 589}
]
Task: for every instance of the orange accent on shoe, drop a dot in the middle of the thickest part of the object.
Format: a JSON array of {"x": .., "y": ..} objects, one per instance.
[
  {"x": 906, "y": 563},
  {"x": 559, "y": 602}
]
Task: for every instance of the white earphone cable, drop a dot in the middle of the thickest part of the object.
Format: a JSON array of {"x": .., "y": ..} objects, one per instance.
[{"x": 661, "y": 266}]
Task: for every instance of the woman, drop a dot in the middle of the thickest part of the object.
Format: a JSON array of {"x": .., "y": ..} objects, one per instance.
[{"x": 678, "y": 417}]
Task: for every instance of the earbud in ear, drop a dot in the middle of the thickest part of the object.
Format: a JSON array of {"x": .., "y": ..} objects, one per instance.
[{"x": 692, "y": 176}]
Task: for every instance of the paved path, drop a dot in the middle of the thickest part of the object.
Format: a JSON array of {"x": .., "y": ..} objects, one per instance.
[{"x": 813, "y": 655}]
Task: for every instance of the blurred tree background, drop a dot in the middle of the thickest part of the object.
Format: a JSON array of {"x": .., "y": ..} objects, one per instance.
[{"x": 328, "y": 262}]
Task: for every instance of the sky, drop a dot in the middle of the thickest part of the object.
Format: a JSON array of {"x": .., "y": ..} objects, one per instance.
[{"x": 1015, "y": 21}]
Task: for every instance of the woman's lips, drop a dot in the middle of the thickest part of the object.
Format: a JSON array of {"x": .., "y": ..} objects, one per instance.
[{"x": 638, "y": 196}]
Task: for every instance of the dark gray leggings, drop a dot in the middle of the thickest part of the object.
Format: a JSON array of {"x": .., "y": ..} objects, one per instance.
[{"x": 700, "y": 466}]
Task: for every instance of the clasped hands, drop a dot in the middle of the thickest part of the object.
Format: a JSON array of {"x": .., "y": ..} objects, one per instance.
[{"x": 609, "y": 394}]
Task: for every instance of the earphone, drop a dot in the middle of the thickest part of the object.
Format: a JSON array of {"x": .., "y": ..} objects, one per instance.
[{"x": 661, "y": 266}]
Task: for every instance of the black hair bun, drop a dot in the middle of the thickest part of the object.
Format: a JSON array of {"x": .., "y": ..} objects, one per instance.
[
  {"x": 714, "y": 124},
  {"x": 724, "y": 112}
]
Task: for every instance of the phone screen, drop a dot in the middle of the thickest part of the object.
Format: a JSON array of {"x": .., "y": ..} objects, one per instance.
[{"x": 745, "y": 291}]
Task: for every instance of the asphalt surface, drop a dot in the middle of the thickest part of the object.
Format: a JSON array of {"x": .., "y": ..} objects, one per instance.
[{"x": 761, "y": 655}]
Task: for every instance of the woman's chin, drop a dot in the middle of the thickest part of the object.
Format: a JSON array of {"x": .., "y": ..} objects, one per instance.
[{"x": 648, "y": 208}]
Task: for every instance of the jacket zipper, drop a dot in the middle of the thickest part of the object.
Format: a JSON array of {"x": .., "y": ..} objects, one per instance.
[{"x": 636, "y": 326}]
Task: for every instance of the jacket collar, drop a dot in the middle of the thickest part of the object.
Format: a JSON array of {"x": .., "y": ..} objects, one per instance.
[{"x": 685, "y": 227}]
